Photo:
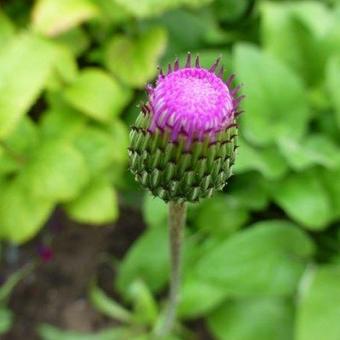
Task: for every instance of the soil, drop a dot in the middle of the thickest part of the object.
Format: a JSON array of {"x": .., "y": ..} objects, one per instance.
[{"x": 69, "y": 255}]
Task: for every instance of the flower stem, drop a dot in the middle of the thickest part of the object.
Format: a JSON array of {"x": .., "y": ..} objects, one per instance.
[{"x": 177, "y": 216}]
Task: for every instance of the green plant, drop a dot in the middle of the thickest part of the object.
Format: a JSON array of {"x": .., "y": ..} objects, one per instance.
[{"x": 71, "y": 74}]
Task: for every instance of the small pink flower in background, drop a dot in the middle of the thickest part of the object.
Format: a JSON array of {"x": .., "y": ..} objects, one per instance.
[{"x": 45, "y": 253}]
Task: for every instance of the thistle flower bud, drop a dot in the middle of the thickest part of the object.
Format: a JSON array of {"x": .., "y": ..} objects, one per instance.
[{"x": 184, "y": 140}]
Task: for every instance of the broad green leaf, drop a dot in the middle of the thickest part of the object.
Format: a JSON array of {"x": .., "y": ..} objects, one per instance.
[
  {"x": 253, "y": 319},
  {"x": 230, "y": 10},
  {"x": 25, "y": 66},
  {"x": 21, "y": 213},
  {"x": 146, "y": 8},
  {"x": 267, "y": 258},
  {"x": 276, "y": 98},
  {"x": 97, "y": 95},
  {"x": 66, "y": 67},
  {"x": 294, "y": 32},
  {"x": 250, "y": 190},
  {"x": 304, "y": 199},
  {"x": 314, "y": 149},
  {"x": 120, "y": 136},
  {"x": 228, "y": 214},
  {"x": 155, "y": 211},
  {"x": 7, "y": 29},
  {"x": 97, "y": 204},
  {"x": 333, "y": 33},
  {"x": 6, "y": 320},
  {"x": 112, "y": 12},
  {"x": 331, "y": 180},
  {"x": 97, "y": 147},
  {"x": 56, "y": 171},
  {"x": 62, "y": 122},
  {"x": 75, "y": 40},
  {"x": 17, "y": 147},
  {"x": 52, "y": 17},
  {"x": 144, "y": 304},
  {"x": 266, "y": 161},
  {"x": 134, "y": 61},
  {"x": 196, "y": 27},
  {"x": 148, "y": 260},
  {"x": 318, "y": 311},
  {"x": 199, "y": 297},
  {"x": 106, "y": 305},
  {"x": 24, "y": 138},
  {"x": 333, "y": 83}
]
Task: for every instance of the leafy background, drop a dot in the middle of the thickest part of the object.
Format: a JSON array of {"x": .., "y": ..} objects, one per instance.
[{"x": 262, "y": 259}]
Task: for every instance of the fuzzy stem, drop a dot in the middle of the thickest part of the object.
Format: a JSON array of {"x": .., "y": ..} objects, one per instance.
[{"x": 177, "y": 216}]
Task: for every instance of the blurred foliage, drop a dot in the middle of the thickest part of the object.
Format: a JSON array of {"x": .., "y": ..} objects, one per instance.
[{"x": 262, "y": 259}]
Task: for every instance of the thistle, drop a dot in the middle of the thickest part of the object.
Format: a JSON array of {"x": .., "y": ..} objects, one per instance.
[
  {"x": 183, "y": 146},
  {"x": 184, "y": 140}
]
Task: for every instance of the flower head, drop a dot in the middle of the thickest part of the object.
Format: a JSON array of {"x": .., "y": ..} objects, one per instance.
[
  {"x": 192, "y": 101},
  {"x": 183, "y": 143}
]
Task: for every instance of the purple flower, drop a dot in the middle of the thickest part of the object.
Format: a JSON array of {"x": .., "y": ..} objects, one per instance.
[{"x": 192, "y": 101}]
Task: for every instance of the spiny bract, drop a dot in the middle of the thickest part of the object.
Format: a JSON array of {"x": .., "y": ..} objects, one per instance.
[{"x": 184, "y": 140}]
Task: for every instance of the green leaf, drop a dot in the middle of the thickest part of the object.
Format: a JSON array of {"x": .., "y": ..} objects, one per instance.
[
  {"x": 230, "y": 10},
  {"x": 331, "y": 181},
  {"x": 97, "y": 204},
  {"x": 253, "y": 319},
  {"x": 276, "y": 98},
  {"x": 196, "y": 26},
  {"x": 120, "y": 137},
  {"x": 97, "y": 95},
  {"x": 145, "y": 306},
  {"x": 56, "y": 171},
  {"x": 52, "y": 17},
  {"x": 199, "y": 297},
  {"x": 146, "y": 8},
  {"x": 333, "y": 83},
  {"x": 134, "y": 61},
  {"x": 7, "y": 29},
  {"x": 250, "y": 190},
  {"x": 314, "y": 149},
  {"x": 6, "y": 320},
  {"x": 61, "y": 122},
  {"x": 25, "y": 66},
  {"x": 75, "y": 40},
  {"x": 318, "y": 311},
  {"x": 229, "y": 216},
  {"x": 304, "y": 199},
  {"x": 106, "y": 305},
  {"x": 17, "y": 146},
  {"x": 293, "y": 33},
  {"x": 148, "y": 260},
  {"x": 155, "y": 211},
  {"x": 66, "y": 67},
  {"x": 22, "y": 214},
  {"x": 112, "y": 12},
  {"x": 266, "y": 161},
  {"x": 97, "y": 147},
  {"x": 267, "y": 258}
]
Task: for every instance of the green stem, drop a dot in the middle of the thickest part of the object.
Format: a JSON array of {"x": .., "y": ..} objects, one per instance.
[{"x": 177, "y": 216}]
